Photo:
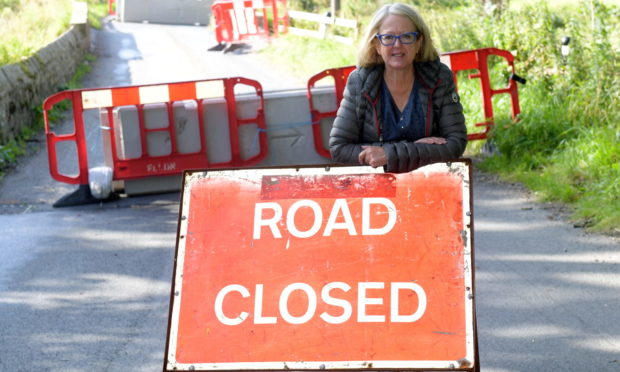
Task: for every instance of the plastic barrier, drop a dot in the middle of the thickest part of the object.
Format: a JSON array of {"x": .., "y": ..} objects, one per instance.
[
  {"x": 340, "y": 76},
  {"x": 152, "y": 133},
  {"x": 457, "y": 61},
  {"x": 112, "y": 7},
  {"x": 238, "y": 20},
  {"x": 155, "y": 130},
  {"x": 477, "y": 59}
]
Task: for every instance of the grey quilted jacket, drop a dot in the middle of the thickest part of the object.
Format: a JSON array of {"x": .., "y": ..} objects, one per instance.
[{"x": 357, "y": 122}]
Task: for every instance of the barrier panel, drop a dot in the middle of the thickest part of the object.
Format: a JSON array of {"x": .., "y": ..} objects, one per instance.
[
  {"x": 238, "y": 20},
  {"x": 457, "y": 61},
  {"x": 340, "y": 268},
  {"x": 154, "y": 130},
  {"x": 477, "y": 59},
  {"x": 339, "y": 76},
  {"x": 112, "y": 7}
]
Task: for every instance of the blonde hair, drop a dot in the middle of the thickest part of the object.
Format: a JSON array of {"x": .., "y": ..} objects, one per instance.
[{"x": 368, "y": 56}]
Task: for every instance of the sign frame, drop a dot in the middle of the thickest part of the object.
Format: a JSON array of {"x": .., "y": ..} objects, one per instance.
[{"x": 471, "y": 362}]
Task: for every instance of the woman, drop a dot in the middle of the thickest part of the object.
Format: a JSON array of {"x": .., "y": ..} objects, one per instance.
[{"x": 400, "y": 109}]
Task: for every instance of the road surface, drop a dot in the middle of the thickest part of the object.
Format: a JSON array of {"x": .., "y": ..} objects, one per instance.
[{"x": 87, "y": 288}]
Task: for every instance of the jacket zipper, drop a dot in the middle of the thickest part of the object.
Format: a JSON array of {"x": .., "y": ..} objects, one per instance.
[
  {"x": 429, "y": 105},
  {"x": 374, "y": 112},
  {"x": 429, "y": 108}
]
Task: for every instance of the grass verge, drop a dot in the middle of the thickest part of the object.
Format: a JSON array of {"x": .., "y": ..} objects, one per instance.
[
  {"x": 28, "y": 25},
  {"x": 306, "y": 56}
]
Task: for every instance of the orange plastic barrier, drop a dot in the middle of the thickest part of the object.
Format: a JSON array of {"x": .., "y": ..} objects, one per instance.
[
  {"x": 461, "y": 60},
  {"x": 238, "y": 20},
  {"x": 477, "y": 59},
  {"x": 136, "y": 98},
  {"x": 340, "y": 76},
  {"x": 112, "y": 7}
]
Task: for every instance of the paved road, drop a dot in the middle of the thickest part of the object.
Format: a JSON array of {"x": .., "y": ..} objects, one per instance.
[{"x": 87, "y": 288}]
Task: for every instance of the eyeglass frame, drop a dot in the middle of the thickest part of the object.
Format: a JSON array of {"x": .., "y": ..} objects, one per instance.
[{"x": 397, "y": 37}]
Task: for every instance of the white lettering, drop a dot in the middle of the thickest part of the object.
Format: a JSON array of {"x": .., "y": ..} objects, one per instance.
[
  {"x": 340, "y": 211},
  {"x": 258, "y": 308},
  {"x": 340, "y": 205},
  {"x": 394, "y": 314},
  {"x": 219, "y": 302},
  {"x": 362, "y": 301},
  {"x": 391, "y": 209},
  {"x": 316, "y": 224},
  {"x": 286, "y": 315},
  {"x": 271, "y": 222},
  {"x": 347, "y": 310}
]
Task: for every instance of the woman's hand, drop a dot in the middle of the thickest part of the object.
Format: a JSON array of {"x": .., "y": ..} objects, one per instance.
[
  {"x": 373, "y": 156},
  {"x": 432, "y": 140}
]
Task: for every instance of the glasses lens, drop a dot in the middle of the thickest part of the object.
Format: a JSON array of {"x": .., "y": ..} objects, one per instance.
[
  {"x": 388, "y": 39},
  {"x": 407, "y": 38}
]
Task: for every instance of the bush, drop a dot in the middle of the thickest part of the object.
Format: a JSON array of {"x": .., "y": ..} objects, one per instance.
[{"x": 566, "y": 145}]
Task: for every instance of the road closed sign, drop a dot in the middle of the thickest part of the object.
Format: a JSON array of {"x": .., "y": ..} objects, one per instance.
[{"x": 312, "y": 269}]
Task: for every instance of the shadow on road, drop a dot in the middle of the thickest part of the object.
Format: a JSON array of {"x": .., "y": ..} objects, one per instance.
[{"x": 545, "y": 292}]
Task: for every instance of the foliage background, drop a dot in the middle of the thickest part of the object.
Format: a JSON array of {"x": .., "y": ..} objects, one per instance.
[
  {"x": 28, "y": 25},
  {"x": 566, "y": 145}
]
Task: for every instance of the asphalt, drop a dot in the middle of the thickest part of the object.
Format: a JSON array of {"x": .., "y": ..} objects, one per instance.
[{"x": 87, "y": 288}]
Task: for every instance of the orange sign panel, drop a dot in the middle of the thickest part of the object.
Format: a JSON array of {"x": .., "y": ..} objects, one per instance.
[{"x": 345, "y": 268}]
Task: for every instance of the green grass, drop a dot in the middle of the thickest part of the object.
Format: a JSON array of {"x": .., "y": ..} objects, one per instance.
[
  {"x": 566, "y": 146},
  {"x": 584, "y": 173},
  {"x": 28, "y": 25},
  {"x": 305, "y": 56},
  {"x": 97, "y": 9},
  {"x": 556, "y": 4}
]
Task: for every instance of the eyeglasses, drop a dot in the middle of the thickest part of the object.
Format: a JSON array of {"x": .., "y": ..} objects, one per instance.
[{"x": 390, "y": 39}]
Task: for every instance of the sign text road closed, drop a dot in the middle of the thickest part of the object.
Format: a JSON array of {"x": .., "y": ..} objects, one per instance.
[{"x": 313, "y": 269}]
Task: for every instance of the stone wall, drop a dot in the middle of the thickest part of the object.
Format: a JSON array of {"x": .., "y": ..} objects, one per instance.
[{"x": 24, "y": 85}]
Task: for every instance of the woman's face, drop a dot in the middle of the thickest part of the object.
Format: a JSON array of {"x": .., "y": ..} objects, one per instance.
[{"x": 398, "y": 56}]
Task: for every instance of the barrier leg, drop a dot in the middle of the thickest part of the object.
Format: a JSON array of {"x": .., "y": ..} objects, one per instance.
[{"x": 217, "y": 48}]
